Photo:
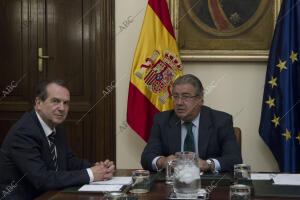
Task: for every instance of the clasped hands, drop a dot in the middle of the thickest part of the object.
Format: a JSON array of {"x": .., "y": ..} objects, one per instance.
[
  {"x": 162, "y": 163},
  {"x": 103, "y": 171}
]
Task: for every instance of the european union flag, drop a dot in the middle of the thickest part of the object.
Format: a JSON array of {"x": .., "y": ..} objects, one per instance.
[{"x": 280, "y": 116}]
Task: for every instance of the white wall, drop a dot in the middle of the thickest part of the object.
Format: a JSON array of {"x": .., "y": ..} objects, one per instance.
[{"x": 233, "y": 87}]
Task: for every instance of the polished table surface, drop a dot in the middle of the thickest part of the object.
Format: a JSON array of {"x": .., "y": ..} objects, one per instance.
[{"x": 159, "y": 191}]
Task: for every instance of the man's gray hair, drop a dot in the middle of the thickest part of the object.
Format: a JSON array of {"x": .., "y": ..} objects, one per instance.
[{"x": 189, "y": 79}]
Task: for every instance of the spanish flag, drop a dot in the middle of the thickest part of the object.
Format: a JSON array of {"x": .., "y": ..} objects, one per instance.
[{"x": 155, "y": 66}]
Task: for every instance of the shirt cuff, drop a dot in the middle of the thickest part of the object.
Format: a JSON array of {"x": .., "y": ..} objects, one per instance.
[
  {"x": 217, "y": 166},
  {"x": 90, "y": 173},
  {"x": 154, "y": 166}
]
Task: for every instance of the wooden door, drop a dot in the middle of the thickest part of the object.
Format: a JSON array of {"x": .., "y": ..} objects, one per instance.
[{"x": 78, "y": 38}]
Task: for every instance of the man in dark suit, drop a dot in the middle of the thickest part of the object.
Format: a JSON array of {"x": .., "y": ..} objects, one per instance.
[
  {"x": 35, "y": 157},
  {"x": 191, "y": 126}
]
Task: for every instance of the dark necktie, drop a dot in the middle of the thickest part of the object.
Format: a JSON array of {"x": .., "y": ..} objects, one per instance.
[
  {"x": 52, "y": 149},
  {"x": 189, "y": 144}
]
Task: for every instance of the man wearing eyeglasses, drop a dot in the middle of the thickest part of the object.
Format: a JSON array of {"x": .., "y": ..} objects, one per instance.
[{"x": 191, "y": 126}]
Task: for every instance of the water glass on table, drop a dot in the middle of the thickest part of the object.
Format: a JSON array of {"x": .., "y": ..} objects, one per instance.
[
  {"x": 170, "y": 172},
  {"x": 241, "y": 172},
  {"x": 140, "y": 181},
  {"x": 240, "y": 192}
]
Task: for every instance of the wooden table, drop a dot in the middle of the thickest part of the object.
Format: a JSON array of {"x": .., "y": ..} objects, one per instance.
[{"x": 159, "y": 191}]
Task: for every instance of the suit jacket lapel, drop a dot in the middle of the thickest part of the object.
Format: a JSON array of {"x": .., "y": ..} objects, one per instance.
[
  {"x": 45, "y": 144},
  {"x": 204, "y": 131},
  {"x": 58, "y": 151},
  {"x": 174, "y": 134}
]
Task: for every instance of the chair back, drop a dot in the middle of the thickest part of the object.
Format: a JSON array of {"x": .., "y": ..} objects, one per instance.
[{"x": 238, "y": 134}]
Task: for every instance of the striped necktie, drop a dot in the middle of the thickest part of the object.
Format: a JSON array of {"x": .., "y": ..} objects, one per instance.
[
  {"x": 52, "y": 146},
  {"x": 189, "y": 144}
]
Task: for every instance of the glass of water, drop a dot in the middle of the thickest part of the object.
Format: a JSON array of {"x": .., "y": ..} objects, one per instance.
[
  {"x": 140, "y": 181},
  {"x": 240, "y": 192},
  {"x": 241, "y": 172},
  {"x": 170, "y": 172}
]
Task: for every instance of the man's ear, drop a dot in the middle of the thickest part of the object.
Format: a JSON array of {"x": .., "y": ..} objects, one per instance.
[
  {"x": 200, "y": 102},
  {"x": 202, "y": 97},
  {"x": 37, "y": 101}
]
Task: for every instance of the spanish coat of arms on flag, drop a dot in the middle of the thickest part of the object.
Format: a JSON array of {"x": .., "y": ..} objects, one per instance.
[{"x": 156, "y": 65}]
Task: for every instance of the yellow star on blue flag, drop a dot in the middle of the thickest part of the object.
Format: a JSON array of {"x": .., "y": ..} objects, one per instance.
[{"x": 294, "y": 57}]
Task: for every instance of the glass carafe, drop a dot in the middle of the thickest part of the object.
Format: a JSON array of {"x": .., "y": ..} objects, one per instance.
[{"x": 186, "y": 176}]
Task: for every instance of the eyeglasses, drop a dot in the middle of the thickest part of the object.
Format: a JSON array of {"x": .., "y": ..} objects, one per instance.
[{"x": 183, "y": 97}]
